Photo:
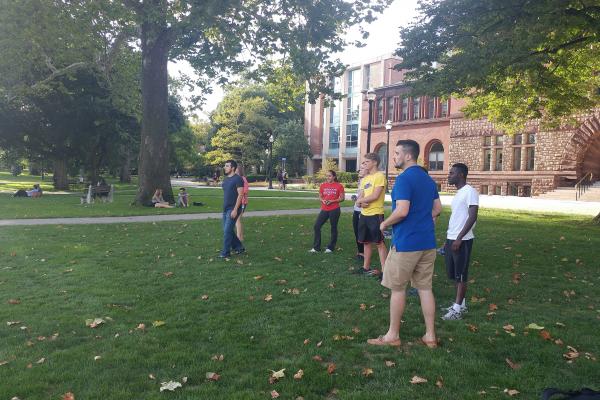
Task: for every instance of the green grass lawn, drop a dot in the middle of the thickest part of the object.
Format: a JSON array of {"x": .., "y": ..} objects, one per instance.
[
  {"x": 68, "y": 205},
  {"x": 535, "y": 268}
]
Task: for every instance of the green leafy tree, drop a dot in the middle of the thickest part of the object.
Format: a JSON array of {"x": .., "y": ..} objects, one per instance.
[
  {"x": 291, "y": 144},
  {"x": 516, "y": 60}
]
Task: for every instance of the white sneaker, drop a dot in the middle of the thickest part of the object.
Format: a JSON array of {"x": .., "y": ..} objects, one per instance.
[
  {"x": 452, "y": 315},
  {"x": 312, "y": 251},
  {"x": 328, "y": 251},
  {"x": 463, "y": 309}
]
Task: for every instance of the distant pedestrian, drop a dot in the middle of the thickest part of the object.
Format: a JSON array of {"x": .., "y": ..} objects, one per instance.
[
  {"x": 284, "y": 179},
  {"x": 239, "y": 227},
  {"x": 415, "y": 205},
  {"x": 280, "y": 179},
  {"x": 331, "y": 194},
  {"x": 459, "y": 238},
  {"x": 360, "y": 248},
  {"x": 233, "y": 191},
  {"x": 371, "y": 203}
]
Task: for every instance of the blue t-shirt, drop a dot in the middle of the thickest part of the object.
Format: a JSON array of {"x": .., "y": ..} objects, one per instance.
[
  {"x": 415, "y": 232},
  {"x": 230, "y": 187}
]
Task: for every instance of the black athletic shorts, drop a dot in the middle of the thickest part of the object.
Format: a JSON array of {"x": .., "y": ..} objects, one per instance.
[
  {"x": 457, "y": 262},
  {"x": 368, "y": 229}
]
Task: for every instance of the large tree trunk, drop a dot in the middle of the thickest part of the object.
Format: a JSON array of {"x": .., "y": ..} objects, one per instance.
[
  {"x": 154, "y": 154},
  {"x": 61, "y": 181}
]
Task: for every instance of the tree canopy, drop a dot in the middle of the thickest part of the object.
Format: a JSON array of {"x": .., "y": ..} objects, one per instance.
[{"x": 516, "y": 60}]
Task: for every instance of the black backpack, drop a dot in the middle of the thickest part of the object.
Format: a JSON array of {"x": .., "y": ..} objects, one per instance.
[{"x": 583, "y": 394}]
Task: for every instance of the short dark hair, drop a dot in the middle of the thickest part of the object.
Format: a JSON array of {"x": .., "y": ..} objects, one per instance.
[
  {"x": 411, "y": 147},
  {"x": 233, "y": 164},
  {"x": 180, "y": 189},
  {"x": 462, "y": 168},
  {"x": 373, "y": 157}
]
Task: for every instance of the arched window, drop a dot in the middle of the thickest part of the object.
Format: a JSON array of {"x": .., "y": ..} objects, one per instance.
[
  {"x": 436, "y": 157},
  {"x": 382, "y": 152}
]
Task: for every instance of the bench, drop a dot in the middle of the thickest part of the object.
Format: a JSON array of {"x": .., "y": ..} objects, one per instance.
[{"x": 104, "y": 193}]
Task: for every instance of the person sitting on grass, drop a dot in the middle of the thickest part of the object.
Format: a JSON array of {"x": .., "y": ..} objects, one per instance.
[
  {"x": 158, "y": 200},
  {"x": 331, "y": 194},
  {"x": 182, "y": 198},
  {"x": 35, "y": 192}
]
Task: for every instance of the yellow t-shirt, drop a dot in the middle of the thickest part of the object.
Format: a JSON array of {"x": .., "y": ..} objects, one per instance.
[{"x": 368, "y": 185}]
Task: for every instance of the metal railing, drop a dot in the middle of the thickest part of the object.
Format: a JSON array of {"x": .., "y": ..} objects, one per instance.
[{"x": 582, "y": 186}]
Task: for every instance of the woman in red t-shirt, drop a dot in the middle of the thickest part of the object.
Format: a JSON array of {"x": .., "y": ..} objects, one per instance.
[{"x": 331, "y": 194}]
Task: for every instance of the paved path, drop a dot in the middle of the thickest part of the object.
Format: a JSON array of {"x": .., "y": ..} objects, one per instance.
[{"x": 152, "y": 218}]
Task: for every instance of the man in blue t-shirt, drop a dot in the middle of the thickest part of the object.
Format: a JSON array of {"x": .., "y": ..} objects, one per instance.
[
  {"x": 415, "y": 205},
  {"x": 233, "y": 192}
]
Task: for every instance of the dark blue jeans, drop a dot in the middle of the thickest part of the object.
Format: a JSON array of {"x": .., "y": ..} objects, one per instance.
[{"x": 230, "y": 239}]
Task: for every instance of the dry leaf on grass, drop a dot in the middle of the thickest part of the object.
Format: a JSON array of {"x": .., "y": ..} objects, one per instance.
[
  {"x": 492, "y": 307},
  {"x": 535, "y": 326},
  {"x": 319, "y": 344},
  {"x": 439, "y": 382},
  {"x": 571, "y": 354},
  {"x": 217, "y": 357},
  {"x": 156, "y": 324},
  {"x": 331, "y": 368},
  {"x": 278, "y": 258},
  {"x": 93, "y": 323},
  {"x": 471, "y": 327},
  {"x": 278, "y": 374},
  {"x": 306, "y": 341},
  {"x": 171, "y": 386},
  {"x": 417, "y": 379},
  {"x": 545, "y": 335},
  {"x": 40, "y": 361},
  {"x": 213, "y": 376},
  {"x": 11, "y": 323},
  {"x": 512, "y": 364},
  {"x": 258, "y": 277},
  {"x": 298, "y": 375},
  {"x": 317, "y": 358},
  {"x": 511, "y": 392},
  {"x": 274, "y": 394},
  {"x": 14, "y": 301},
  {"x": 390, "y": 363},
  {"x": 268, "y": 297},
  {"x": 204, "y": 297},
  {"x": 367, "y": 372},
  {"x": 363, "y": 306},
  {"x": 168, "y": 274},
  {"x": 141, "y": 327},
  {"x": 68, "y": 396}
]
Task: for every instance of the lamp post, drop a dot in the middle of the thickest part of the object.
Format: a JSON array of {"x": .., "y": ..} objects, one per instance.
[
  {"x": 271, "y": 140},
  {"x": 371, "y": 98},
  {"x": 388, "y": 128}
]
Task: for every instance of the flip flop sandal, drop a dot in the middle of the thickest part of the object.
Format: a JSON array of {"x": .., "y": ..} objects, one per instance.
[{"x": 380, "y": 342}]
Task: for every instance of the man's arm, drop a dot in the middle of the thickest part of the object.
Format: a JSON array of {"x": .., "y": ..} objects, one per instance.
[
  {"x": 374, "y": 196},
  {"x": 437, "y": 209},
  {"x": 238, "y": 202},
  {"x": 401, "y": 211},
  {"x": 473, "y": 210}
]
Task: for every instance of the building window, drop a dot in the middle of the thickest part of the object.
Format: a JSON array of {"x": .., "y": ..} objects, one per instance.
[
  {"x": 518, "y": 139},
  {"x": 498, "y": 140},
  {"x": 350, "y": 165},
  {"x": 444, "y": 108},
  {"x": 484, "y": 189},
  {"x": 487, "y": 141},
  {"x": 531, "y": 138},
  {"x": 390, "y": 109},
  {"x": 334, "y": 137},
  {"x": 498, "y": 190},
  {"x": 351, "y": 135},
  {"x": 405, "y": 109},
  {"x": 431, "y": 107},
  {"x": 379, "y": 119},
  {"x": 526, "y": 191},
  {"x": 513, "y": 189},
  {"x": 382, "y": 152},
  {"x": 530, "y": 161},
  {"x": 516, "y": 158},
  {"x": 416, "y": 108},
  {"x": 487, "y": 159},
  {"x": 498, "y": 166},
  {"x": 436, "y": 157}
]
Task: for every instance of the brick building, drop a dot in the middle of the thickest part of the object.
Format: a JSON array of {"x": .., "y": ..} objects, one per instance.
[{"x": 529, "y": 163}]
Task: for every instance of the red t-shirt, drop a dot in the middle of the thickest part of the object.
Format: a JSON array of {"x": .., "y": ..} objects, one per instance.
[{"x": 331, "y": 191}]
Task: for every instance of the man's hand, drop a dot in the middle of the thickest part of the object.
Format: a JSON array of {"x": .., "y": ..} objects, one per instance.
[
  {"x": 233, "y": 214},
  {"x": 456, "y": 245},
  {"x": 382, "y": 226}
]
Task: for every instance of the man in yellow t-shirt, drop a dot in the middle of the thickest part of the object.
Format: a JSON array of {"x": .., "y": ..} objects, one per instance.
[{"x": 371, "y": 216}]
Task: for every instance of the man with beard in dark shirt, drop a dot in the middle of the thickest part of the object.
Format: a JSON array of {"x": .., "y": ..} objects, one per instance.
[{"x": 233, "y": 191}]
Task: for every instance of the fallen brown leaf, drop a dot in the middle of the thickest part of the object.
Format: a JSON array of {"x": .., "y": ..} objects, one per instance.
[
  {"x": 213, "y": 376},
  {"x": 511, "y": 392},
  {"x": 390, "y": 363},
  {"x": 268, "y": 297},
  {"x": 317, "y": 358},
  {"x": 472, "y": 327},
  {"x": 363, "y": 306},
  {"x": 417, "y": 380},
  {"x": 274, "y": 394},
  {"x": 492, "y": 307},
  {"x": 366, "y": 372},
  {"x": 440, "y": 382},
  {"x": 512, "y": 365},
  {"x": 545, "y": 335},
  {"x": 278, "y": 258},
  {"x": 14, "y": 301},
  {"x": 217, "y": 357},
  {"x": 331, "y": 368},
  {"x": 298, "y": 375},
  {"x": 204, "y": 297},
  {"x": 168, "y": 274},
  {"x": 68, "y": 396}
]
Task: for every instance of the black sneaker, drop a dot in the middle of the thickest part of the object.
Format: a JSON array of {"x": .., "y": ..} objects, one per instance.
[
  {"x": 361, "y": 271},
  {"x": 241, "y": 251}
]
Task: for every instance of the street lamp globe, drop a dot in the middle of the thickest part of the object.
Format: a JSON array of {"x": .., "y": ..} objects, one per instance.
[
  {"x": 371, "y": 95},
  {"x": 388, "y": 125}
]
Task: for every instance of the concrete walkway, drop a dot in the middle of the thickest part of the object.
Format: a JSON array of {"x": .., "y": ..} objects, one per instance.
[{"x": 153, "y": 218}]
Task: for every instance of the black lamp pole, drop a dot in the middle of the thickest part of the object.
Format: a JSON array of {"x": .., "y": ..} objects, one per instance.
[
  {"x": 271, "y": 139},
  {"x": 371, "y": 98},
  {"x": 388, "y": 127}
]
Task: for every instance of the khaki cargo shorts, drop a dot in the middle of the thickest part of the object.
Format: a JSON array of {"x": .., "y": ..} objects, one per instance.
[{"x": 415, "y": 267}]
